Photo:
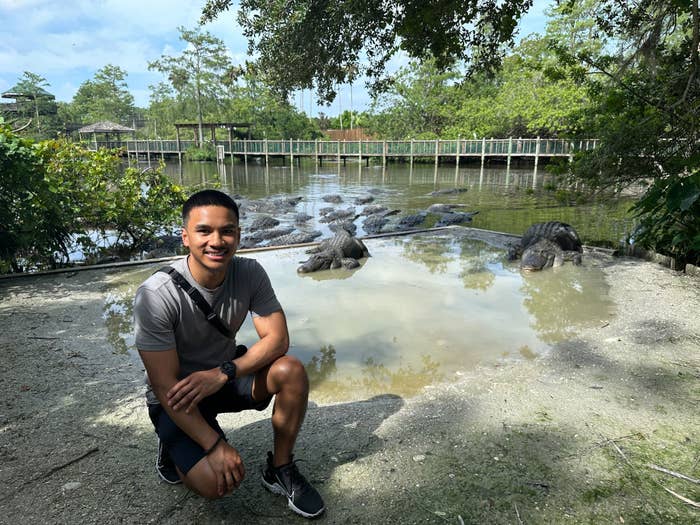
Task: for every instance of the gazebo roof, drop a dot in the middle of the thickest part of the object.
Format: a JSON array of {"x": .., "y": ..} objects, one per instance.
[
  {"x": 105, "y": 127},
  {"x": 18, "y": 92}
]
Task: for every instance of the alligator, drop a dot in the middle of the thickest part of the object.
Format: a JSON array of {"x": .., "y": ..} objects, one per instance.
[
  {"x": 545, "y": 254},
  {"x": 343, "y": 224},
  {"x": 547, "y": 244},
  {"x": 338, "y": 214},
  {"x": 342, "y": 250},
  {"x": 450, "y": 191},
  {"x": 263, "y": 222},
  {"x": 364, "y": 199},
  {"x": 410, "y": 221},
  {"x": 295, "y": 238},
  {"x": 443, "y": 208},
  {"x": 334, "y": 198},
  {"x": 301, "y": 218},
  {"x": 376, "y": 219},
  {"x": 266, "y": 235},
  {"x": 374, "y": 223},
  {"x": 455, "y": 218},
  {"x": 272, "y": 206},
  {"x": 373, "y": 209},
  {"x": 376, "y": 209}
]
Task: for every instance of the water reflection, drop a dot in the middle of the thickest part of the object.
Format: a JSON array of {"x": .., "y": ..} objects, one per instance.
[
  {"x": 565, "y": 300},
  {"x": 424, "y": 308},
  {"x": 477, "y": 260}
]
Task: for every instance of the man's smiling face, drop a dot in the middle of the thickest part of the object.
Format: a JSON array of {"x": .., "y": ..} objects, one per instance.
[{"x": 212, "y": 235}]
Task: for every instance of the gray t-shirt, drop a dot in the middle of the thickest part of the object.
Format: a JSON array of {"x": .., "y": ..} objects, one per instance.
[{"x": 165, "y": 317}]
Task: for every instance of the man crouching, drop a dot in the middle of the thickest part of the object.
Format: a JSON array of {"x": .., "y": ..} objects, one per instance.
[{"x": 196, "y": 371}]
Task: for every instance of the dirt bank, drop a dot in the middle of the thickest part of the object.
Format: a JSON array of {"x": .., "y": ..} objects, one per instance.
[{"x": 565, "y": 438}]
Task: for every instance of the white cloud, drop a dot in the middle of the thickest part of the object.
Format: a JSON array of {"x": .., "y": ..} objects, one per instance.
[{"x": 68, "y": 41}]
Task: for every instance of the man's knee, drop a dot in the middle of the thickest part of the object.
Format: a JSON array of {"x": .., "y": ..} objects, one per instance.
[
  {"x": 202, "y": 480},
  {"x": 288, "y": 369},
  {"x": 207, "y": 491}
]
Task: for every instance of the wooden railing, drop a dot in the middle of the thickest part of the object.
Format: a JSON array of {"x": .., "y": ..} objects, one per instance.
[{"x": 517, "y": 147}]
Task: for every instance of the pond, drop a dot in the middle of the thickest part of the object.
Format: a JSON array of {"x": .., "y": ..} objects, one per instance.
[
  {"x": 423, "y": 308},
  {"x": 507, "y": 200}
]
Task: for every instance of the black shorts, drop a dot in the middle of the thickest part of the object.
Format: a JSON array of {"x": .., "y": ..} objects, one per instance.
[{"x": 233, "y": 397}]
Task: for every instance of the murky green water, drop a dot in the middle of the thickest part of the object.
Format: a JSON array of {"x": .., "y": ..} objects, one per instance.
[
  {"x": 507, "y": 201},
  {"x": 422, "y": 309}
]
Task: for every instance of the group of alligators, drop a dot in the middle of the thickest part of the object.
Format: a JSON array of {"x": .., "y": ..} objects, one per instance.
[{"x": 543, "y": 245}]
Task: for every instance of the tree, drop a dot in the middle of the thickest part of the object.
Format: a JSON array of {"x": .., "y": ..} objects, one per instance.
[
  {"x": 106, "y": 97},
  {"x": 309, "y": 43},
  {"x": 419, "y": 104},
  {"x": 33, "y": 101},
  {"x": 55, "y": 193},
  {"x": 198, "y": 74},
  {"x": 646, "y": 113},
  {"x": 522, "y": 100},
  {"x": 250, "y": 99}
]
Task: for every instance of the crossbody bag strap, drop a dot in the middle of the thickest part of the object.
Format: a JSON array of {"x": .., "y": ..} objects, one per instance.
[{"x": 200, "y": 301}]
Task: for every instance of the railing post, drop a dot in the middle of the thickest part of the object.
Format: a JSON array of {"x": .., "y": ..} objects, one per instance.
[
  {"x": 384, "y": 154},
  {"x": 458, "y": 153},
  {"x": 537, "y": 158},
  {"x": 510, "y": 150},
  {"x": 179, "y": 148},
  {"x": 337, "y": 144},
  {"x": 435, "y": 170},
  {"x": 411, "y": 154},
  {"x": 483, "y": 160},
  {"x": 316, "y": 151},
  {"x": 266, "y": 152},
  {"x": 230, "y": 145}
]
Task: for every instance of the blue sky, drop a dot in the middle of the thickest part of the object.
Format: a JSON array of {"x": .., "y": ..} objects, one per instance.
[{"x": 67, "y": 41}]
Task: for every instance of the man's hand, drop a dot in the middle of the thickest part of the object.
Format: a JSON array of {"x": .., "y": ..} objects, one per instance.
[
  {"x": 190, "y": 391},
  {"x": 228, "y": 467}
]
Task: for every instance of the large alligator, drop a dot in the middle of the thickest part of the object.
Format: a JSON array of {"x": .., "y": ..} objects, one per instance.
[
  {"x": 547, "y": 244},
  {"x": 342, "y": 250}
]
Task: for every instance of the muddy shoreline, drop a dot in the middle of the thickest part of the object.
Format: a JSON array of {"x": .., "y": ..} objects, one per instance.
[{"x": 562, "y": 438}]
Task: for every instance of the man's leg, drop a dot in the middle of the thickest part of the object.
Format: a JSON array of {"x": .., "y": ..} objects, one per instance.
[{"x": 286, "y": 379}]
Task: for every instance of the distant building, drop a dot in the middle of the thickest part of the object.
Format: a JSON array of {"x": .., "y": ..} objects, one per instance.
[{"x": 348, "y": 134}]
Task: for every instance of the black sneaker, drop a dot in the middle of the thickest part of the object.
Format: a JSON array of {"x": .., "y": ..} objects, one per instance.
[
  {"x": 165, "y": 466},
  {"x": 302, "y": 498}
]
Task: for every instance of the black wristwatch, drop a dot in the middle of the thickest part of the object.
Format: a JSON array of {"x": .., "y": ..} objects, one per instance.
[{"x": 229, "y": 368}]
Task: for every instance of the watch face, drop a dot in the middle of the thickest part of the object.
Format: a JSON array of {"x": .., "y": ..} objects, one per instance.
[{"x": 229, "y": 369}]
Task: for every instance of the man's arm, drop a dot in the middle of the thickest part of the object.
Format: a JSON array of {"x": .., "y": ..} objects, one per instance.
[
  {"x": 273, "y": 344},
  {"x": 162, "y": 368}
]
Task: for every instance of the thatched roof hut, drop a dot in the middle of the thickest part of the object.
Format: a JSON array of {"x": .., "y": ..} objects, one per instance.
[
  {"x": 35, "y": 92},
  {"x": 107, "y": 128}
]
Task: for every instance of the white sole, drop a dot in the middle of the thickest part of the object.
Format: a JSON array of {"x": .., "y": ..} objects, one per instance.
[{"x": 276, "y": 489}]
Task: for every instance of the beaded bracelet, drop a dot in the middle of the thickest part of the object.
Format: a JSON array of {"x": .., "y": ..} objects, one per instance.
[{"x": 211, "y": 449}]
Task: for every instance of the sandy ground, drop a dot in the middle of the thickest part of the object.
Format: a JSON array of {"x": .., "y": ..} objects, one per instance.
[{"x": 564, "y": 438}]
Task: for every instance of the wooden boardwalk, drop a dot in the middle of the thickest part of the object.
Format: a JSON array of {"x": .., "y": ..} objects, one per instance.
[{"x": 340, "y": 151}]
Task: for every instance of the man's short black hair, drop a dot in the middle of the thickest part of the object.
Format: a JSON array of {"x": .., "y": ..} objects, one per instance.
[{"x": 208, "y": 198}]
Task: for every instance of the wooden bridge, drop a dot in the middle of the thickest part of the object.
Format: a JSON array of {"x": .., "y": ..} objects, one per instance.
[{"x": 340, "y": 151}]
